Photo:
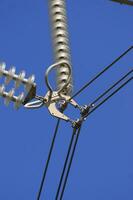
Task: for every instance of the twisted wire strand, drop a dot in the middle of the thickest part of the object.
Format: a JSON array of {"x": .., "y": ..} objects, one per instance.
[{"x": 60, "y": 37}]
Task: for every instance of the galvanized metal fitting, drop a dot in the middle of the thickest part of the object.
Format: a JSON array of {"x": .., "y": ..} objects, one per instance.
[
  {"x": 76, "y": 124},
  {"x": 84, "y": 110}
]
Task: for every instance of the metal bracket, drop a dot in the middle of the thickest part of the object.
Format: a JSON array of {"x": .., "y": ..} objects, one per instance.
[
  {"x": 84, "y": 113},
  {"x": 54, "y": 98},
  {"x": 50, "y": 100}
]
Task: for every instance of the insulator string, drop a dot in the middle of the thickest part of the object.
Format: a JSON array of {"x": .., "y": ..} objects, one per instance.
[{"x": 59, "y": 27}]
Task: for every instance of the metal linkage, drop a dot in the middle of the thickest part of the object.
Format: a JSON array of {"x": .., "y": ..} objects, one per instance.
[
  {"x": 101, "y": 99},
  {"x": 10, "y": 75},
  {"x": 60, "y": 42},
  {"x": 54, "y": 98},
  {"x": 84, "y": 112},
  {"x": 51, "y": 101}
]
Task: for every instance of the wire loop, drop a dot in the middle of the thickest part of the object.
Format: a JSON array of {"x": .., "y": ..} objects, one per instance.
[{"x": 56, "y": 65}]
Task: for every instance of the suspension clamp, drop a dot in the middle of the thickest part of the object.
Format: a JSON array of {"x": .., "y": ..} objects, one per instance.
[
  {"x": 57, "y": 101},
  {"x": 52, "y": 98}
]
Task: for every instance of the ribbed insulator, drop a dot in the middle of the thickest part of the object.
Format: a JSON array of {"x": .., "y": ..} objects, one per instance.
[{"x": 60, "y": 41}]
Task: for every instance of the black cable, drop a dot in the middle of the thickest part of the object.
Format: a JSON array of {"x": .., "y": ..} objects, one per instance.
[
  {"x": 70, "y": 163},
  {"x": 56, "y": 129},
  {"x": 65, "y": 164},
  {"x": 114, "y": 85},
  {"x": 48, "y": 160},
  {"x": 77, "y": 134},
  {"x": 100, "y": 73},
  {"x": 107, "y": 98}
]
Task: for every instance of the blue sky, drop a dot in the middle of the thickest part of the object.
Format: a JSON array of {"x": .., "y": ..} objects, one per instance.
[{"x": 103, "y": 165}]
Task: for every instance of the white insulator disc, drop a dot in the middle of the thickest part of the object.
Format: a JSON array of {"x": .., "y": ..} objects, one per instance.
[
  {"x": 10, "y": 75},
  {"x": 30, "y": 82},
  {"x": 20, "y": 79},
  {"x": 2, "y": 89},
  {"x": 9, "y": 97},
  {"x": 2, "y": 68},
  {"x": 19, "y": 101}
]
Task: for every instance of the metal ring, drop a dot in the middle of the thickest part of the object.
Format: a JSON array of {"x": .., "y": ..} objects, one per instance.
[{"x": 55, "y": 66}]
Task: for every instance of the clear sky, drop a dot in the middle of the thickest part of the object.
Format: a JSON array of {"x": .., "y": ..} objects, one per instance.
[{"x": 102, "y": 169}]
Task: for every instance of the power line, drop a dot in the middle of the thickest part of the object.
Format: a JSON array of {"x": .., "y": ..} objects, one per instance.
[
  {"x": 107, "y": 98},
  {"x": 100, "y": 73},
  {"x": 77, "y": 135},
  {"x": 114, "y": 85},
  {"x": 48, "y": 160},
  {"x": 70, "y": 163},
  {"x": 76, "y": 140},
  {"x": 65, "y": 164},
  {"x": 97, "y": 99}
]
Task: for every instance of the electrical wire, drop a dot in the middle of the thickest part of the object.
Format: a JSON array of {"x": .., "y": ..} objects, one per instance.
[
  {"x": 100, "y": 73},
  {"x": 114, "y": 85},
  {"x": 70, "y": 163},
  {"x": 76, "y": 140},
  {"x": 108, "y": 97},
  {"x": 77, "y": 134},
  {"x": 70, "y": 146},
  {"x": 67, "y": 164},
  {"x": 48, "y": 160}
]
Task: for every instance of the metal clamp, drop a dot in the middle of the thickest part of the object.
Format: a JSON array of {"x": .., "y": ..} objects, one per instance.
[
  {"x": 83, "y": 114},
  {"x": 52, "y": 98}
]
